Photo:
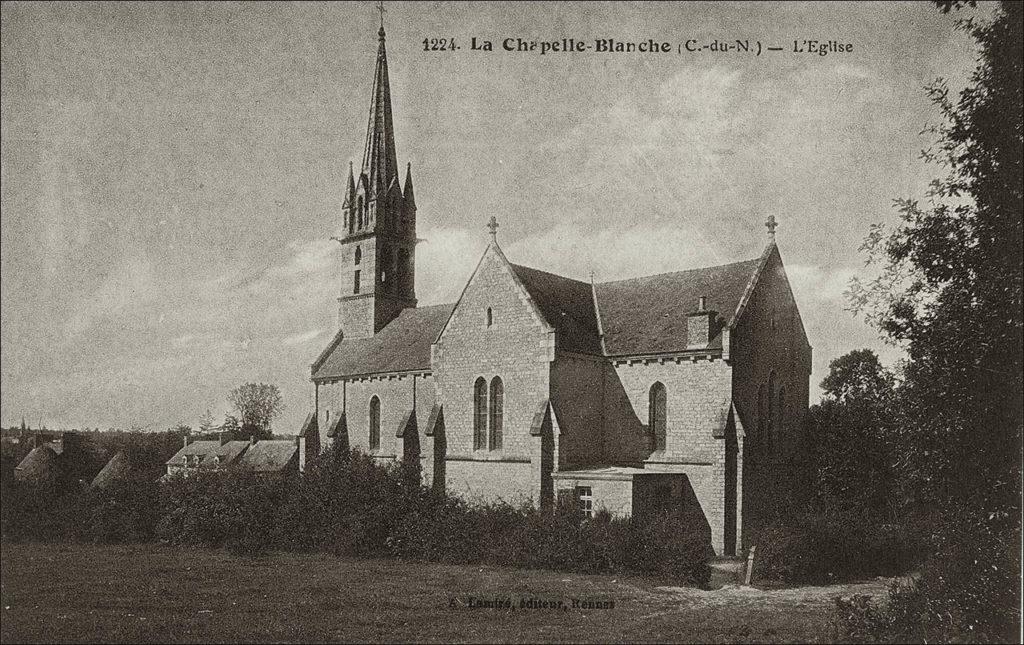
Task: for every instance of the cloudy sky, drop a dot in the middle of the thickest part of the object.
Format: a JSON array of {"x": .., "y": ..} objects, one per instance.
[{"x": 172, "y": 173}]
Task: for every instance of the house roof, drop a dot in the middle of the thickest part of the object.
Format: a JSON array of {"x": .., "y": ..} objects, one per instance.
[
  {"x": 649, "y": 315},
  {"x": 39, "y": 465},
  {"x": 119, "y": 468},
  {"x": 227, "y": 453},
  {"x": 200, "y": 448},
  {"x": 268, "y": 456},
  {"x": 567, "y": 305},
  {"x": 402, "y": 346},
  {"x": 209, "y": 450}
]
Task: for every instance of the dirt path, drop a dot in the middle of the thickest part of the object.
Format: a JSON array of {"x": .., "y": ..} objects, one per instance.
[{"x": 788, "y": 598}]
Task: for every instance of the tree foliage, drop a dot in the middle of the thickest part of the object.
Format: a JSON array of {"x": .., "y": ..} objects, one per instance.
[
  {"x": 950, "y": 291},
  {"x": 257, "y": 404},
  {"x": 854, "y": 449},
  {"x": 951, "y": 283}
]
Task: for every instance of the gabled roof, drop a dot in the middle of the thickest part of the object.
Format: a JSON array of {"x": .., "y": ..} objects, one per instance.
[
  {"x": 638, "y": 316},
  {"x": 208, "y": 451},
  {"x": 649, "y": 315},
  {"x": 309, "y": 426},
  {"x": 567, "y": 305},
  {"x": 403, "y": 345},
  {"x": 407, "y": 425},
  {"x": 338, "y": 426},
  {"x": 269, "y": 456},
  {"x": 39, "y": 465},
  {"x": 119, "y": 468},
  {"x": 200, "y": 448},
  {"x": 224, "y": 454},
  {"x": 435, "y": 421}
]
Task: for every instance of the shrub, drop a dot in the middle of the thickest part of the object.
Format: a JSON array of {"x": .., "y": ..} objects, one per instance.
[
  {"x": 818, "y": 548},
  {"x": 123, "y": 512},
  {"x": 41, "y": 512},
  {"x": 348, "y": 504},
  {"x": 968, "y": 590}
]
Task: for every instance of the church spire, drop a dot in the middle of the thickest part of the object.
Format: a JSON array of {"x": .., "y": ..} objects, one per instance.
[
  {"x": 380, "y": 162},
  {"x": 350, "y": 190},
  {"x": 410, "y": 198}
]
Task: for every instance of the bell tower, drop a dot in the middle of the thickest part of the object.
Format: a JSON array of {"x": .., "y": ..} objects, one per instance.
[{"x": 378, "y": 236}]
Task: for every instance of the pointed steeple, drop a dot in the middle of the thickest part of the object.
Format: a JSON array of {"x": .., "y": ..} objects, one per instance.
[
  {"x": 350, "y": 191},
  {"x": 380, "y": 162},
  {"x": 410, "y": 198}
]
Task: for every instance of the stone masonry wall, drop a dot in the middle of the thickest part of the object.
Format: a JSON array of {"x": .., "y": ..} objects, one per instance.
[
  {"x": 577, "y": 393},
  {"x": 356, "y": 312},
  {"x": 396, "y": 394},
  {"x": 613, "y": 495},
  {"x": 769, "y": 338},
  {"x": 518, "y": 347},
  {"x": 697, "y": 397}
]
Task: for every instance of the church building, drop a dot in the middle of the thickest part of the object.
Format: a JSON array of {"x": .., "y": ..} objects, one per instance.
[{"x": 682, "y": 389}]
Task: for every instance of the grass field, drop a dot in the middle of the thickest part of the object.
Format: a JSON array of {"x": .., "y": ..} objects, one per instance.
[{"x": 162, "y": 594}]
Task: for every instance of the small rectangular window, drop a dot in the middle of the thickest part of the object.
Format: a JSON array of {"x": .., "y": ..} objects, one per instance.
[
  {"x": 585, "y": 495},
  {"x": 355, "y": 283}
]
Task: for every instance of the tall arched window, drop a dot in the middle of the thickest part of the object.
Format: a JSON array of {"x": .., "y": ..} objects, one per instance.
[
  {"x": 497, "y": 412},
  {"x": 657, "y": 414},
  {"x": 403, "y": 273},
  {"x": 762, "y": 413},
  {"x": 782, "y": 408},
  {"x": 359, "y": 255},
  {"x": 490, "y": 317},
  {"x": 360, "y": 211},
  {"x": 772, "y": 410},
  {"x": 374, "y": 423},
  {"x": 480, "y": 414}
]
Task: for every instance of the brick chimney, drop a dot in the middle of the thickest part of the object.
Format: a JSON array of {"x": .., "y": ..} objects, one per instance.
[
  {"x": 223, "y": 436},
  {"x": 188, "y": 440},
  {"x": 699, "y": 325},
  {"x": 252, "y": 440}
]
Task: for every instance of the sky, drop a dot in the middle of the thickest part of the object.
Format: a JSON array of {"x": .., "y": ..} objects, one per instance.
[{"x": 171, "y": 174}]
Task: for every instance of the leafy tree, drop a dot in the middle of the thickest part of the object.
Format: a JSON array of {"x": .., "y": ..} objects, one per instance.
[
  {"x": 950, "y": 291},
  {"x": 206, "y": 421},
  {"x": 257, "y": 404},
  {"x": 854, "y": 426},
  {"x": 951, "y": 283},
  {"x": 232, "y": 426},
  {"x": 182, "y": 429}
]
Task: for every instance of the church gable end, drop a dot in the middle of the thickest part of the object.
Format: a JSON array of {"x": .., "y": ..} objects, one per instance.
[{"x": 495, "y": 334}]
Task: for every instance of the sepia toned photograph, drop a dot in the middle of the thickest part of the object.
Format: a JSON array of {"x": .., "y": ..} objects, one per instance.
[{"x": 525, "y": 322}]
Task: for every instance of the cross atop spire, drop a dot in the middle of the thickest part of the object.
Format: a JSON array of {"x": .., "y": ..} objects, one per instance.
[
  {"x": 380, "y": 161},
  {"x": 492, "y": 225},
  {"x": 382, "y": 10},
  {"x": 771, "y": 224}
]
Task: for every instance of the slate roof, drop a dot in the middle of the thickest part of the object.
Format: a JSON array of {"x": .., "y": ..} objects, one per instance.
[
  {"x": 208, "y": 451},
  {"x": 403, "y": 345},
  {"x": 638, "y": 316},
  {"x": 567, "y": 305},
  {"x": 228, "y": 453},
  {"x": 269, "y": 456},
  {"x": 200, "y": 448},
  {"x": 649, "y": 315}
]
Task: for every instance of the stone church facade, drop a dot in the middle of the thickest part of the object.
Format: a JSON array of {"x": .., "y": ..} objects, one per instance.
[{"x": 680, "y": 389}]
